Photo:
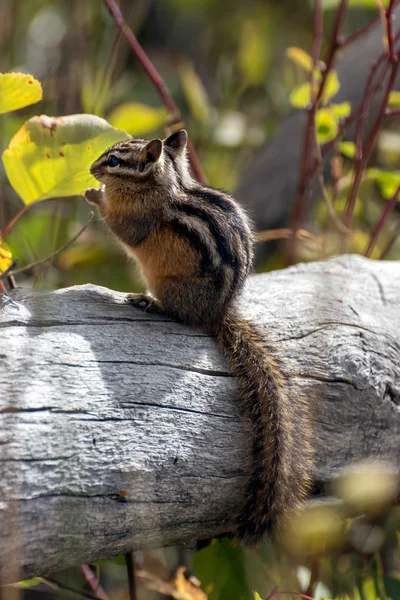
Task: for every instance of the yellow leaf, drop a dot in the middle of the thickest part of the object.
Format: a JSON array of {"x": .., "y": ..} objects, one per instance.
[
  {"x": 332, "y": 86},
  {"x": 51, "y": 156},
  {"x": 195, "y": 93},
  {"x": 348, "y": 149},
  {"x": 327, "y": 126},
  {"x": 394, "y": 100},
  {"x": 18, "y": 90},
  {"x": 300, "y": 58},
  {"x": 5, "y": 256},
  {"x": 137, "y": 118},
  {"x": 256, "y": 596},
  {"x": 300, "y": 97},
  {"x": 341, "y": 110}
]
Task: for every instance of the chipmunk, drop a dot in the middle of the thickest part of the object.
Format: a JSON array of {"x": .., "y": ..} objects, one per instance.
[{"x": 194, "y": 245}]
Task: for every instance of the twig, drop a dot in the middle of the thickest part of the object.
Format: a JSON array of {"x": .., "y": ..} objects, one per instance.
[
  {"x": 93, "y": 582},
  {"x": 325, "y": 196},
  {"x": 389, "y": 29},
  {"x": 284, "y": 234},
  {"x": 389, "y": 206},
  {"x": 131, "y": 576},
  {"x": 361, "y": 155},
  {"x": 9, "y": 269},
  {"x": 55, "y": 254},
  {"x": 157, "y": 80},
  {"x": 350, "y": 39},
  {"x": 390, "y": 244},
  {"x": 62, "y": 586},
  {"x": 307, "y": 151},
  {"x": 17, "y": 217},
  {"x": 307, "y": 167}
]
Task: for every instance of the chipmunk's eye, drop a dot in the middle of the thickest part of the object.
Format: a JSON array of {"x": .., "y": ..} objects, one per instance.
[{"x": 113, "y": 161}]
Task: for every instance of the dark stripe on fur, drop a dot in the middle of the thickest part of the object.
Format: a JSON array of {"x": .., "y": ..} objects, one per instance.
[
  {"x": 221, "y": 238},
  {"x": 196, "y": 240}
]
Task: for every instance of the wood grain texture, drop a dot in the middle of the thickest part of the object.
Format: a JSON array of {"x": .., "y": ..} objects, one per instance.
[{"x": 99, "y": 399}]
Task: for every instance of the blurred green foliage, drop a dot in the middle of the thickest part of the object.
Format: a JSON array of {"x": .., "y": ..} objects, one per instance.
[{"x": 226, "y": 68}]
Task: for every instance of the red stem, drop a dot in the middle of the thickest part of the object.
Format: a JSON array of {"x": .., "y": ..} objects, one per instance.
[
  {"x": 389, "y": 29},
  {"x": 94, "y": 584},
  {"x": 14, "y": 220},
  {"x": 392, "y": 240},
  {"x": 304, "y": 171},
  {"x": 157, "y": 80},
  {"x": 355, "y": 36},
  {"x": 383, "y": 218},
  {"x": 362, "y": 157},
  {"x": 307, "y": 164},
  {"x": 334, "y": 45}
]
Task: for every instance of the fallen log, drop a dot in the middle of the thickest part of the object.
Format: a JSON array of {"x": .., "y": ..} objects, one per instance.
[{"x": 120, "y": 430}]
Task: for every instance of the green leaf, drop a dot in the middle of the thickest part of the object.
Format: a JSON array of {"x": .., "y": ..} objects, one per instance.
[
  {"x": 254, "y": 52},
  {"x": 257, "y": 596},
  {"x": 394, "y": 100},
  {"x": 300, "y": 96},
  {"x": 388, "y": 181},
  {"x": 348, "y": 149},
  {"x": 137, "y": 118},
  {"x": 301, "y": 58},
  {"x": 228, "y": 570},
  {"x": 30, "y": 582},
  {"x": 341, "y": 110},
  {"x": 195, "y": 93},
  {"x": 392, "y": 586},
  {"x": 51, "y": 156},
  {"x": 18, "y": 90},
  {"x": 327, "y": 125}
]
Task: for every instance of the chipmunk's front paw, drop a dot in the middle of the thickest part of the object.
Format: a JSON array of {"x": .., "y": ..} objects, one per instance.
[
  {"x": 145, "y": 303},
  {"x": 93, "y": 196}
]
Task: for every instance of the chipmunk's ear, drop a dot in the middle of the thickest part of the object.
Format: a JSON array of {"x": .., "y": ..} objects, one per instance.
[
  {"x": 152, "y": 151},
  {"x": 177, "y": 141}
]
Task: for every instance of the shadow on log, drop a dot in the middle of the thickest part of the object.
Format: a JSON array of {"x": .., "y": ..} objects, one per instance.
[{"x": 120, "y": 430}]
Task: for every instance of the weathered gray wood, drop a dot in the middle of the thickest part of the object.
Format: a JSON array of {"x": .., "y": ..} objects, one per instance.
[{"x": 99, "y": 399}]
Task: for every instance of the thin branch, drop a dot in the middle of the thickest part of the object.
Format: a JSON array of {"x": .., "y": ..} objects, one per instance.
[
  {"x": 325, "y": 196},
  {"x": 62, "y": 586},
  {"x": 363, "y": 156},
  {"x": 350, "y": 39},
  {"x": 381, "y": 222},
  {"x": 157, "y": 81},
  {"x": 93, "y": 582},
  {"x": 390, "y": 35},
  {"x": 308, "y": 141},
  {"x": 391, "y": 243},
  {"x": 55, "y": 254},
  {"x": 17, "y": 217},
  {"x": 131, "y": 576},
  {"x": 284, "y": 234},
  {"x": 7, "y": 271}
]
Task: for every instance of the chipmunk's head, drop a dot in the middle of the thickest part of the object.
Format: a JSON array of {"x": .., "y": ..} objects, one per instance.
[{"x": 139, "y": 161}]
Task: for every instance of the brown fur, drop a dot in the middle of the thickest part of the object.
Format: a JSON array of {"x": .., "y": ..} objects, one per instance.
[{"x": 194, "y": 247}]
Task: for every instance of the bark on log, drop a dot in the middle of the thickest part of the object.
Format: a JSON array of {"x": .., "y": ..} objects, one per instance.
[{"x": 121, "y": 430}]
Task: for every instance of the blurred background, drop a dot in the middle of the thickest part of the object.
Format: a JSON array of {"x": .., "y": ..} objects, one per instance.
[{"x": 225, "y": 65}]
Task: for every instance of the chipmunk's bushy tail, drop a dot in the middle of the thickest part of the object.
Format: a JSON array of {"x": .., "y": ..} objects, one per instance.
[{"x": 280, "y": 449}]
